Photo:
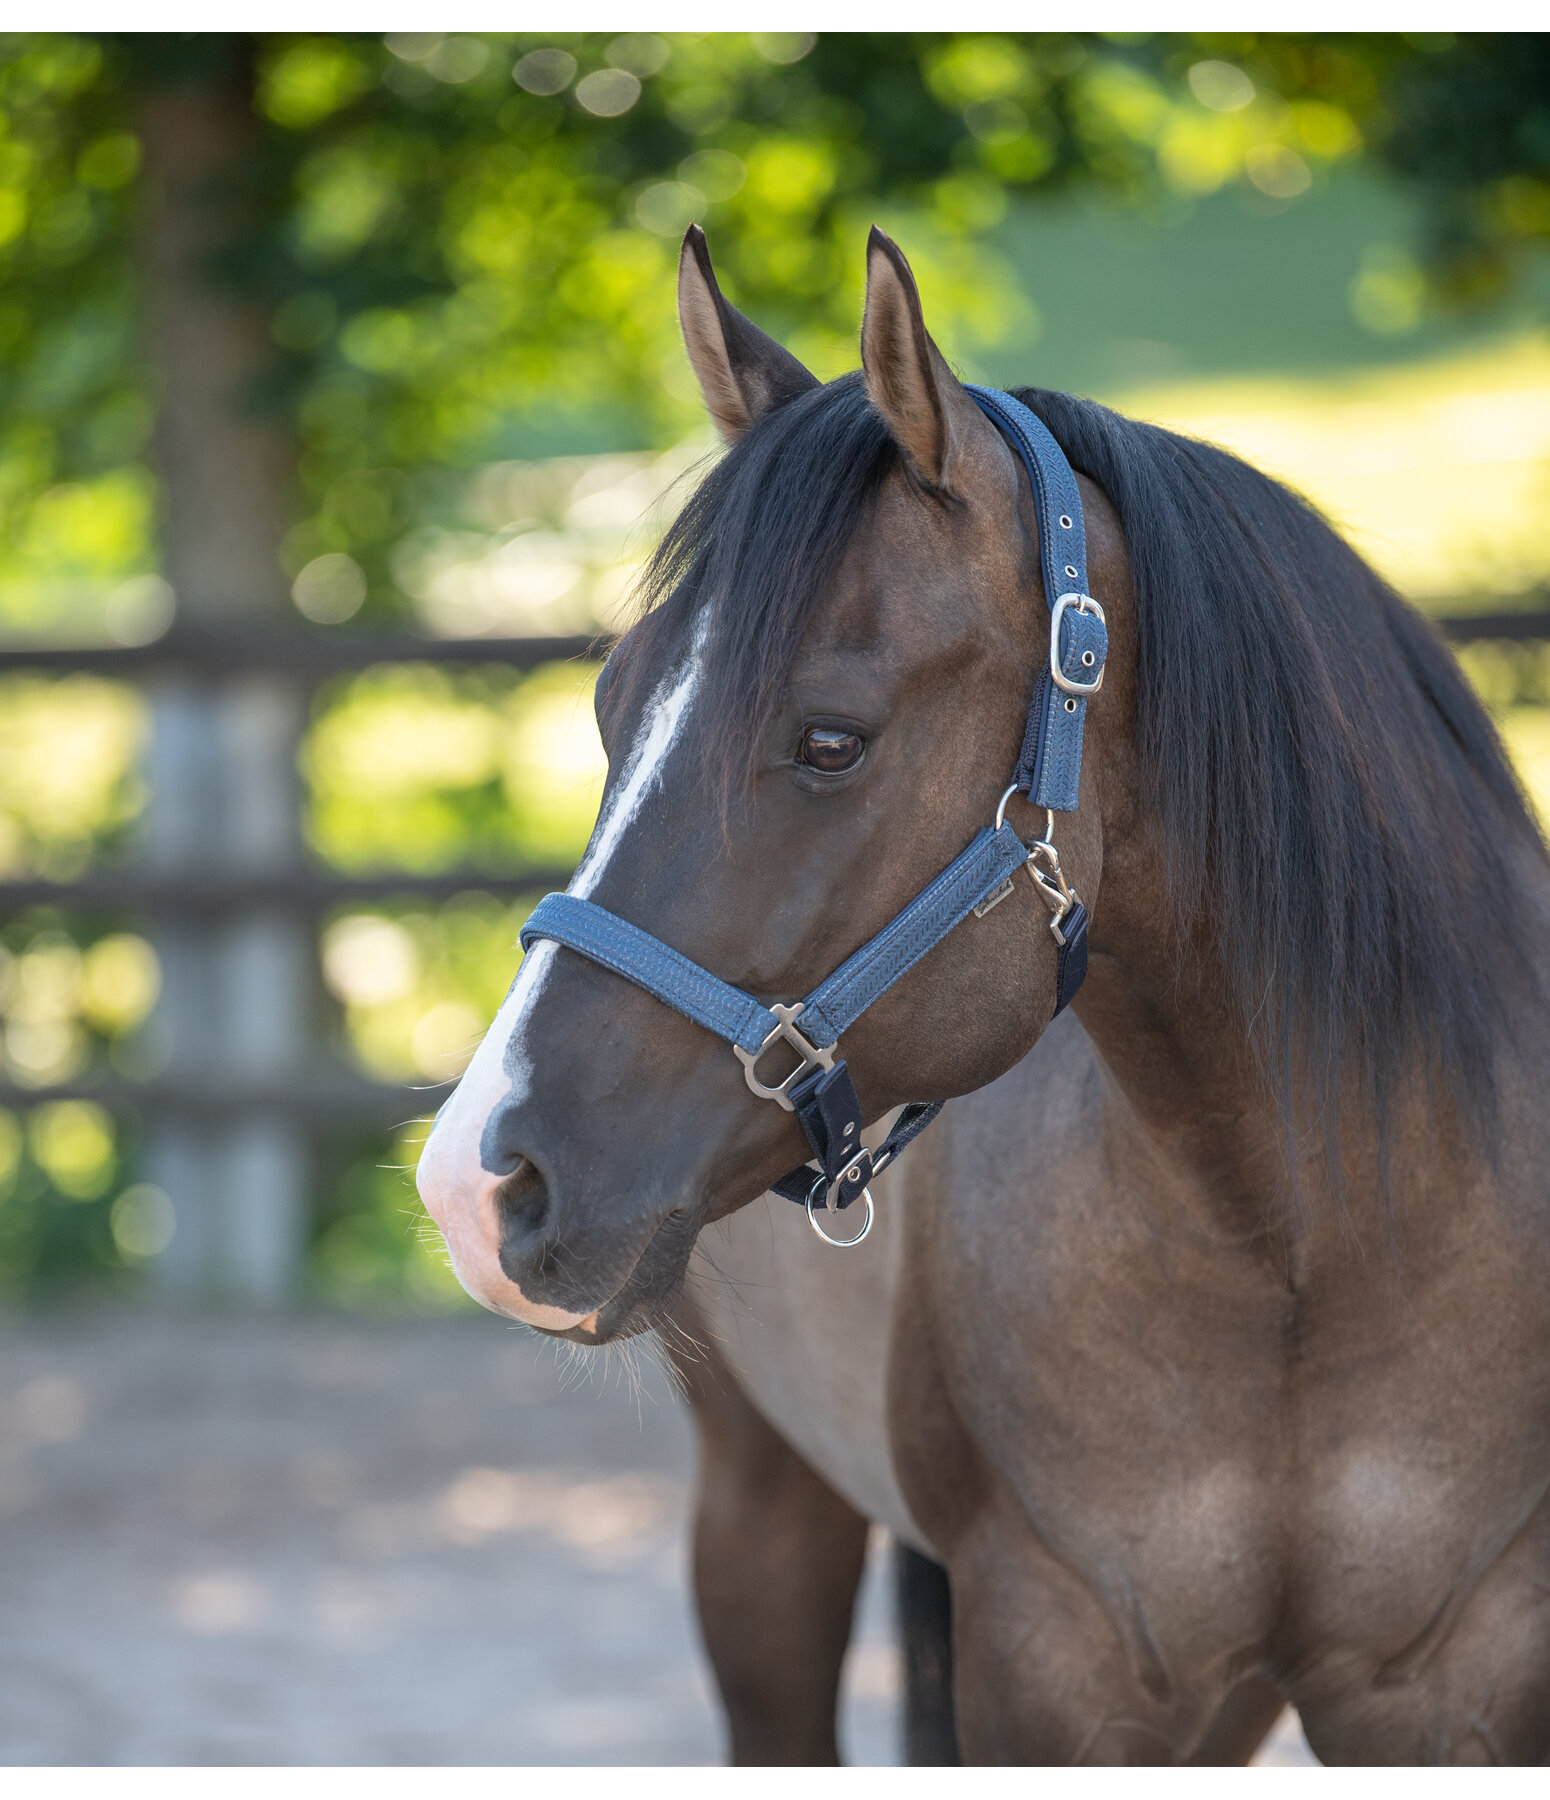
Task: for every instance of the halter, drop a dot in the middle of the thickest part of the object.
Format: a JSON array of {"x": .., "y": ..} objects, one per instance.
[{"x": 819, "y": 1089}]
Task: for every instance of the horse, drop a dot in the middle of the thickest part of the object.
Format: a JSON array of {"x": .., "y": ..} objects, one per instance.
[{"x": 1200, "y": 1357}]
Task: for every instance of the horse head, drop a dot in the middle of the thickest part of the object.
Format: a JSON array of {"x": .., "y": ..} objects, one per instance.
[{"x": 814, "y": 720}]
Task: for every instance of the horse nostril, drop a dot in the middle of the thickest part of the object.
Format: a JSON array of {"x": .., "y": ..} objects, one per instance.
[
  {"x": 500, "y": 1144},
  {"x": 522, "y": 1206}
]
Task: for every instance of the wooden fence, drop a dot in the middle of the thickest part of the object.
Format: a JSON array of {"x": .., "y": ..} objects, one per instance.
[{"x": 232, "y": 900}]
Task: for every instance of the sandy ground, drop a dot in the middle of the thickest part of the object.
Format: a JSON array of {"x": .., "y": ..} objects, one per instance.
[{"x": 315, "y": 1541}]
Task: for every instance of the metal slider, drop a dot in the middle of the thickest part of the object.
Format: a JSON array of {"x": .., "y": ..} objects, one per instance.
[{"x": 812, "y": 1057}]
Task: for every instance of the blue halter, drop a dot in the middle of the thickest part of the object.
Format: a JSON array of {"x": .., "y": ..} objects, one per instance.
[{"x": 1049, "y": 770}]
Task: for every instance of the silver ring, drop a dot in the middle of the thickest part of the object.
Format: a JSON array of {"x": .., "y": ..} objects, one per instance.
[{"x": 840, "y": 1243}]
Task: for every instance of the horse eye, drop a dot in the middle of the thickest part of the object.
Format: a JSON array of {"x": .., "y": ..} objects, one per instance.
[{"x": 830, "y": 752}]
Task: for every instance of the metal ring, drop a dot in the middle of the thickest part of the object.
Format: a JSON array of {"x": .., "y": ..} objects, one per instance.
[
  {"x": 1001, "y": 809},
  {"x": 840, "y": 1243}
]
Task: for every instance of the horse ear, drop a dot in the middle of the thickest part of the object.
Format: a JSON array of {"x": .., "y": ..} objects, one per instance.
[
  {"x": 742, "y": 373},
  {"x": 926, "y": 409}
]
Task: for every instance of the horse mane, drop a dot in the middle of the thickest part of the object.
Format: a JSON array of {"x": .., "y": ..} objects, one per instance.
[{"x": 1339, "y": 813}]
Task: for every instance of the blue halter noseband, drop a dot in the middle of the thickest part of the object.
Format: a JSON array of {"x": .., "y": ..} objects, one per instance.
[{"x": 1049, "y": 769}]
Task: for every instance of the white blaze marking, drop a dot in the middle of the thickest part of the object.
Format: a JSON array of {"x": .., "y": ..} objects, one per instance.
[
  {"x": 450, "y": 1171},
  {"x": 664, "y": 718}
]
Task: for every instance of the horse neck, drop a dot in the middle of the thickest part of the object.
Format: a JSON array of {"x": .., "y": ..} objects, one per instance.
[
  {"x": 1188, "y": 1100},
  {"x": 1183, "y": 1077}
]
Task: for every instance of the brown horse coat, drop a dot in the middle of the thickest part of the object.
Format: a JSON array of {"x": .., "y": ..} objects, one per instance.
[{"x": 1206, "y": 1338}]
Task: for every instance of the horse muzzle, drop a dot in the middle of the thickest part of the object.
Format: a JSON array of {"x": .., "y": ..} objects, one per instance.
[{"x": 590, "y": 1274}]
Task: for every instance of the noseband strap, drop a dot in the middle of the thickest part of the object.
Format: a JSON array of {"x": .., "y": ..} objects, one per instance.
[{"x": 819, "y": 1089}]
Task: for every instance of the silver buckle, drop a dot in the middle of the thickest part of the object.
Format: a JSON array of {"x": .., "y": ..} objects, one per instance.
[
  {"x": 812, "y": 1057},
  {"x": 1083, "y": 603}
]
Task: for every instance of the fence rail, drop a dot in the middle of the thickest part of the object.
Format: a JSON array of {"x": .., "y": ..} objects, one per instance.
[
  {"x": 310, "y": 891},
  {"x": 297, "y": 653},
  {"x": 230, "y": 1120}
]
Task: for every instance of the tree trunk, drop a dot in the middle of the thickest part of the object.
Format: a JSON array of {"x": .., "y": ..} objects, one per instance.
[
  {"x": 222, "y": 765},
  {"x": 226, "y": 471}
]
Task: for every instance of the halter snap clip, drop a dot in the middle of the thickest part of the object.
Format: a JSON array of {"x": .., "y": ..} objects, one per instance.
[{"x": 1056, "y": 892}]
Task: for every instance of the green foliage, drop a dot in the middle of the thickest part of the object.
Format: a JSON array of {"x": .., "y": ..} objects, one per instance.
[
  {"x": 69, "y": 787},
  {"x": 373, "y": 1247},
  {"x": 1471, "y": 129},
  {"x": 61, "y": 1164},
  {"x": 71, "y": 1001},
  {"x": 464, "y": 244},
  {"x": 463, "y": 247},
  {"x": 421, "y": 768},
  {"x": 74, "y": 417},
  {"x": 418, "y": 986}
]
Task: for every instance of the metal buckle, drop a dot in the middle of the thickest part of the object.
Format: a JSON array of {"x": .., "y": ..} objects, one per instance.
[
  {"x": 821, "y": 1184},
  {"x": 1083, "y": 603},
  {"x": 812, "y": 1057}
]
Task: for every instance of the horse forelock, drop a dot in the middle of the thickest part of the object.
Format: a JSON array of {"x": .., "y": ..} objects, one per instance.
[{"x": 755, "y": 549}]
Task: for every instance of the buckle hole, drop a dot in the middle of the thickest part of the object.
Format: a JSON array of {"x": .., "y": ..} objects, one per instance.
[
  {"x": 1065, "y": 521},
  {"x": 1070, "y": 706}
]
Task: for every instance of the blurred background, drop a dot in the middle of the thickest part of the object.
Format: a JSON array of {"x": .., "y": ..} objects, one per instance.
[{"x": 340, "y": 398}]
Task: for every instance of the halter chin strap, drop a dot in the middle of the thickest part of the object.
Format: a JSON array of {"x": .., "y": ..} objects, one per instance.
[{"x": 818, "y": 1089}]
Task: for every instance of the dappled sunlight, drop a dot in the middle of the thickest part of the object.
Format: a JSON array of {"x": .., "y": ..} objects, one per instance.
[
  {"x": 1438, "y": 471},
  {"x": 338, "y": 1543},
  {"x": 603, "y": 1524},
  {"x": 69, "y": 782},
  {"x": 344, "y": 404},
  {"x": 420, "y": 768},
  {"x": 68, "y": 1006},
  {"x": 48, "y": 1409},
  {"x": 1526, "y": 730},
  {"x": 62, "y": 1000},
  {"x": 221, "y": 1601},
  {"x": 421, "y": 978},
  {"x": 561, "y": 542}
]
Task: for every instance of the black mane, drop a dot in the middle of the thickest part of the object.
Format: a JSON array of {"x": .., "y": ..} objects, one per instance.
[{"x": 1339, "y": 812}]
